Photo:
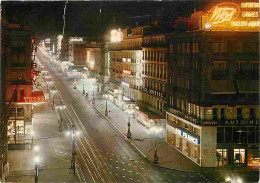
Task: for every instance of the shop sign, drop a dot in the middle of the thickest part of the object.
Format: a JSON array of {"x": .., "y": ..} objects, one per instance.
[
  {"x": 34, "y": 99},
  {"x": 186, "y": 135},
  {"x": 127, "y": 72},
  {"x": 241, "y": 122},
  {"x": 232, "y": 16}
]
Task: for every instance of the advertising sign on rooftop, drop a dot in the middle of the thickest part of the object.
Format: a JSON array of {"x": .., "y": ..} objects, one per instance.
[{"x": 233, "y": 16}]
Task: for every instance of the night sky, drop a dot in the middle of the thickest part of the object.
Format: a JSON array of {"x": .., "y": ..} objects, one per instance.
[{"x": 85, "y": 19}]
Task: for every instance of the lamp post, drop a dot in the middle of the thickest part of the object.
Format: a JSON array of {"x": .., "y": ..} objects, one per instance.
[
  {"x": 73, "y": 151},
  {"x": 130, "y": 112},
  {"x": 93, "y": 97},
  {"x": 36, "y": 161},
  {"x": 106, "y": 112},
  {"x": 73, "y": 163},
  {"x": 53, "y": 102},
  {"x": 83, "y": 89},
  {"x": 155, "y": 130},
  {"x": 32, "y": 134}
]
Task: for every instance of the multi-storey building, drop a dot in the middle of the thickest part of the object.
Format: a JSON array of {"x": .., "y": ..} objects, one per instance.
[
  {"x": 213, "y": 91},
  {"x": 115, "y": 65},
  {"x": 3, "y": 108},
  {"x": 64, "y": 49},
  {"x": 20, "y": 75},
  {"x": 97, "y": 62},
  {"x": 76, "y": 51},
  {"x": 154, "y": 76}
]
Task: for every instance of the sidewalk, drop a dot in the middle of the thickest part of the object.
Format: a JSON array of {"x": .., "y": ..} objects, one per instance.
[
  {"x": 54, "y": 152},
  {"x": 144, "y": 141}
]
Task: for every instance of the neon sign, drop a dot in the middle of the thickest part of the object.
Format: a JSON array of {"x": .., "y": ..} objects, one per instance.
[
  {"x": 231, "y": 16},
  {"x": 250, "y": 5},
  {"x": 34, "y": 99},
  {"x": 223, "y": 13}
]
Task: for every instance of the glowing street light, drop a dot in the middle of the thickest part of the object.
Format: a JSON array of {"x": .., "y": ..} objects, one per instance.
[
  {"x": 130, "y": 112},
  {"x": 155, "y": 130},
  {"x": 106, "y": 96},
  {"x": 77, "y": 133},
  {"x": 36, "y": 161}
]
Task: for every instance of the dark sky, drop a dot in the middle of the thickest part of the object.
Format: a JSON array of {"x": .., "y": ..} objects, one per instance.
[{"x": 84, "y": 19}]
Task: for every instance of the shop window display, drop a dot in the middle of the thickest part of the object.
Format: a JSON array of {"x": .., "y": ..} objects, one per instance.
[
  {"x": 239, "y": 156},
  {"x": 253, "y": 157},
  {"x": 222, "y": 157}
]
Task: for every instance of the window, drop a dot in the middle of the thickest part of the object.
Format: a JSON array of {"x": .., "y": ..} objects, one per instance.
[
  {"x": 188, "y": 47},
  {"x": 240, "y": 68},
  {"x": 223, "y": 47},
  {"x": 220, "y": 135},
  {"x": 183, "y": 48},
  {"x": 228, "y": 134},
  {"x": 239, "y": 156},
  {"x": 236, "y": 134},
  {"x": 252, "y": 47},
  {"x": 215, "y": 47},
  {"x": 252, "y": 113},
  {"x": 239, "y": 113},
  {"x": 171, "y": 48},
  {"x": 215, "y": 114},
  {"x": 197, "y": 47},
  {"x": 254, "y": 70},
  {"x": 223, "y": 114},
  {"x": 251, "y": 134},
  {"x": 219, "y": 47},
  {"x": 239, "y": 47},
  {"x": 220, "y": 70},
  {"x": 179, "y": 49}
]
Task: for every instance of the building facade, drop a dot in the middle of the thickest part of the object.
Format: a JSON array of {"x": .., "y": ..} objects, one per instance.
[
  {"x": 76, "y": 51},
  {"x": 21, "y": 76},
  {"x": 154, "y": 76},
  {"x": 213, "y": 90},
  {"x": 97, "y": 63}
]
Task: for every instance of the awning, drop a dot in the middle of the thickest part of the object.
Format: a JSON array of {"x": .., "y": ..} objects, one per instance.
[
  {"x": 246, "y": 86},
  {"x": 151, "y": 115},
  {"x": 222, "y": 87}
]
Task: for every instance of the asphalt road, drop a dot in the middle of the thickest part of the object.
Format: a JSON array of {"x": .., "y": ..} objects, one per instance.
[{"x": 103, "y": 155}]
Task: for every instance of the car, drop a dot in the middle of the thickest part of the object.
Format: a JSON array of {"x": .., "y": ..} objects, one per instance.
[{"x": 75, "y": 87}]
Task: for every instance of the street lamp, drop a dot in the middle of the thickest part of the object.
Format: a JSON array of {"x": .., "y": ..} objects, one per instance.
[
  {"x": 36, "y": 161},
  {"x": 73, "y": 163},
  {"x": 83, "y": 89},
  {"x": 130, "y": 112},
  {"x": 106, "y": 112},
  {"x": 32, "y": 134},
  {"x": 155, "y": 130}
]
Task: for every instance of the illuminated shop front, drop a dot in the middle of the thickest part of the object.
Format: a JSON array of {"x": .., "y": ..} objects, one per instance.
[
  {"x": 198, "y": 143},
  {"x": 185, "y": 141}
]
